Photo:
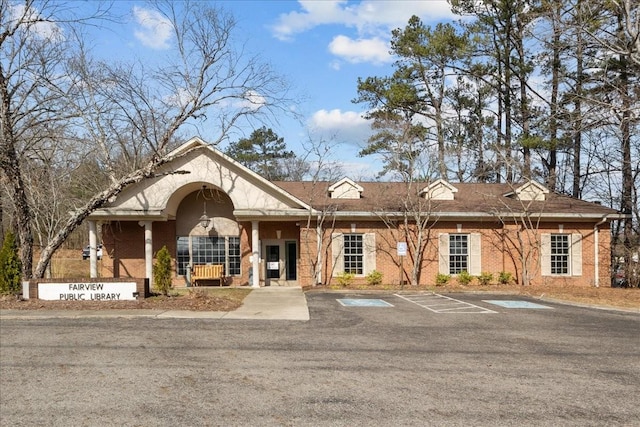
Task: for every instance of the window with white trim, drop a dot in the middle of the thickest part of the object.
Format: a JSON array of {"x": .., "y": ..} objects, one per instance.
[
  {"x": 208, "y": 250},
  {"x": 353, "y": 253},
  {"x": 458, "y": 253},
  {"x": 560, "y": 254}
]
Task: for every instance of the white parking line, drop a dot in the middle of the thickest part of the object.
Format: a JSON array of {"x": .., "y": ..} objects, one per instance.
[{"x": 442, "y": 304}]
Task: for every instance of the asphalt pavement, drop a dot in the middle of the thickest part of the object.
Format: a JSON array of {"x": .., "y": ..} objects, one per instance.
[{"x": 362, "y": 359}]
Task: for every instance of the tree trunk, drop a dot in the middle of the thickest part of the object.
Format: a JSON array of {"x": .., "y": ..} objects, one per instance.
[
  {"x": 552, "y": 164},
  {"x": 577, "y": 105},
  {"x": 11, "y": 168}
]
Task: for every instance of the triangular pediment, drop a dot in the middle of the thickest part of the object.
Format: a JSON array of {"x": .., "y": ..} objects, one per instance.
[
  {"x": 345, "y": 189},
  {"x": 192, "y": 165},
  {"x": 529, "y": 191},
  {"x": 439, "y": 190}
]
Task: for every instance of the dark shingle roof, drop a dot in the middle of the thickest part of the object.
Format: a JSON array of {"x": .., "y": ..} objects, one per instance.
[{"x": 471, "y": 198}]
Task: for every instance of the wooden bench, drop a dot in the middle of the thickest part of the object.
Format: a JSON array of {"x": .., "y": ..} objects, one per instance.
[{"x": 207, "y": 272}]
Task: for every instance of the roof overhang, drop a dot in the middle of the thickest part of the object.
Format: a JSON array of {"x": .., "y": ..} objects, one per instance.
[
  {"x": 106, "y": 214},
  {"x": 272, "y": 215},
  {"x": 577, "y": 217}
]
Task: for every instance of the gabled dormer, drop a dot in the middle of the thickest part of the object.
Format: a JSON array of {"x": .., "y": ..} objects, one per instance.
[
  {"x": 529, "y": 191},
  {"x": 439, "y": 190},
  {"x": 345, "y": 189}
]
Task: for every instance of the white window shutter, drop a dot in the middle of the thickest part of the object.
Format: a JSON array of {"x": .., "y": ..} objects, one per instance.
[
  {"x": 337, "y": 249},
  {"x": 545, "y": 254},
  {"x": 443, "y": 253},
  {"x": 576, "y": 254},
  {"x": 475, "y": 254},
  {"x": 369, "y": 252}
]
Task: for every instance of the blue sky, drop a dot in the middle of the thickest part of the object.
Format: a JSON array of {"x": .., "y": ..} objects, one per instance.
[{"x": 321, "y": 47}]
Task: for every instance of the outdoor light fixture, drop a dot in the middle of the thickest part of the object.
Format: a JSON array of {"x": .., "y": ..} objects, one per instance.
[{"x": 204, "y": 219}]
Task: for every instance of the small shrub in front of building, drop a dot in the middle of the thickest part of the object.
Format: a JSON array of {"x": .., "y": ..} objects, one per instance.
[
  {"x": 505, "y": 278},
  {"x": 464, "y": 278},
  {"x": 374, "y": 278},
  {"x": 162, "y": 271},
  {"x": 485, "y": 278},
  {"x": 345, "y": 279},
  {"x": 442, "y": 279},
  {"x": 10, "y": 266}
]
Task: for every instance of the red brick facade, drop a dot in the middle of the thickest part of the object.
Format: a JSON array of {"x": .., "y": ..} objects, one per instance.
[{"x": 504, "y": 248}]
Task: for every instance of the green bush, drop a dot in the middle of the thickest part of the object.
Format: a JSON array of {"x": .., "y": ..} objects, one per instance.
[
  {"x": 345, "y": 279},
  {"x": 374, "y": 278},
  {"x": 485, "y": 278},
  {"x": 442, "y": 279},
  {"x": 504, "y": 277},
  {"x": 464, "y": 278},
  {"x": 162, "y": 271},
  {"x": 10, "y": 266}
]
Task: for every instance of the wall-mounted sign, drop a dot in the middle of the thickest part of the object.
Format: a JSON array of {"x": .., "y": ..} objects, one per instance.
[
  {"x": 273, "y": 265},
  {"x": 402, "y": 248},
  {"x": 77, "y": 291}
]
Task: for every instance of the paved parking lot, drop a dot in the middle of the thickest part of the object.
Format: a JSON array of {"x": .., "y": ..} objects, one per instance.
[
  {"x": 402, "y": 364},
  {"x": 444, "y": 304}
]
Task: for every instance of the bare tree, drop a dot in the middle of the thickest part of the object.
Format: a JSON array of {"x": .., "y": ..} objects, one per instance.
[
  {"x": 520, "y": 225},
  {"x": 33, "y": 48},
  {"x": 321, "y": 221},
  {"x": 130, "y": 114}
]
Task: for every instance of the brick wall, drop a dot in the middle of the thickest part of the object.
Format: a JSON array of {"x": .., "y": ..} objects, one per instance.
[
  {"x": 503, "y": 249},
  {"x": 123, "y": 247},
  {"x": 511, "y": 248}
]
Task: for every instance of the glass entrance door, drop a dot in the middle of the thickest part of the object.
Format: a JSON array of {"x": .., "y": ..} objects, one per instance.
[
  {"x": 273, "y": 261},
  {"x": 291, "y": 256}
]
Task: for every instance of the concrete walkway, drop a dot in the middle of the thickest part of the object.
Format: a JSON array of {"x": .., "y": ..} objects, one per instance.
[{"x": 268, "y": 303}]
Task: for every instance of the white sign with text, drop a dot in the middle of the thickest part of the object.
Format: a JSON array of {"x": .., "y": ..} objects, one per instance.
[
  {"x": 111, "y": 291},
  {"x": 402, "y": 248}
]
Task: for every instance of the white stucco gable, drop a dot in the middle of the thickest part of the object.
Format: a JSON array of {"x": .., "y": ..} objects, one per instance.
[
  {"x": 345, "y": 189},
  {"x": 529, "y": 191},
  {"x": 195, "y": 164},
  {"x": 439, "y": 190}
]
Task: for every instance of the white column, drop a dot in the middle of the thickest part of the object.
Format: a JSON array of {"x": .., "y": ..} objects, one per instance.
[
  {"x": 596, "y": 279},
  {"x": 148, "y": 251},
  {"x": 93, "y": 247},
  {"x": 255, "y": 254},
  {"x": 318, "y": 278}
]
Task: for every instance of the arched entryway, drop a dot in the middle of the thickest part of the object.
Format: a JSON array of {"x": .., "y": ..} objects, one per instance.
[{"x": 207, "y": 232}]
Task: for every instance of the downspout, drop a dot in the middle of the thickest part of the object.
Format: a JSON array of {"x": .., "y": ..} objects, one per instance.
[
  {"x": 318, "y": 278},
  {"x": 596, "y": 233}
]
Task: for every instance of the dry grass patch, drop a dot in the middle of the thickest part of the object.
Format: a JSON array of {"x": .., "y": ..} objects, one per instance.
[
  {"x": 192, "y": 299},
  {"x": 601, "y": 296}
]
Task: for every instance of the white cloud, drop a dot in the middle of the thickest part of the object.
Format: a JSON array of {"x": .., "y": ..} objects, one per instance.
[
  {"x": 253, "y": 100},
  {"x": 313, "y": 13},
  {"x": 369, "y": 17},
  {"x": 344, "y": 127},
  {"x": 155, "y": 30},
  {"x": 180, "y": 99},
  {"x": 373, "y": 50},
  {"x": 38, "y": 26}
]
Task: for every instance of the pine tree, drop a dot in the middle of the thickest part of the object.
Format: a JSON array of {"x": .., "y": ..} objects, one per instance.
[
  {"x": 263, "y": 152},
  {"x": 10, "y": 267},
  {"x": 162, "y": 271}
]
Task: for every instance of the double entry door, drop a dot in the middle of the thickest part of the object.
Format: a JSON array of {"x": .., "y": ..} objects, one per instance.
[{"x": 280, "y": 262}]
